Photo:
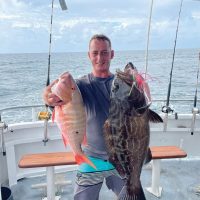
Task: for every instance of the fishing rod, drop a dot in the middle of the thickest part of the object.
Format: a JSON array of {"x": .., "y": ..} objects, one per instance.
[
  {"x": 148, "y": 36},
  {"x": 46, "y": 115},
  {"x": 166, "y": 109},
  {"x": 195, "y": 97},
  {"x": 50, "y": 37},
  {"x": 195, "y": 110},
  {"x": 63, "y": 7}
]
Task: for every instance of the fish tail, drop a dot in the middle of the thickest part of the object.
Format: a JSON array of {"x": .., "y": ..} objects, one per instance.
[
  {"x": 81, "y": 158},
  {"x": 133, "y": 195}
]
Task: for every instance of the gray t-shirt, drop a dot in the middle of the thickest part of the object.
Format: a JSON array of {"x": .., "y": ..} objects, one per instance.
[{"x": 96, "y": 96}]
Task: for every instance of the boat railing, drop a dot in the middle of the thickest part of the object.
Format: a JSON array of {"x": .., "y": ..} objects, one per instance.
[
  {"x": 6, "y": 113},
  {"x": 30, "y": 112},
  {"x": 10, "y": 116}
]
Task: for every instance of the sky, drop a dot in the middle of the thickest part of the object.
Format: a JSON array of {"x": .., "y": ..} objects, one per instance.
[{"x": 25, "y": 24}]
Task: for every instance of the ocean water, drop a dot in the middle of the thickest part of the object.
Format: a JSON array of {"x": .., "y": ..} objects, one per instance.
[{"x": 23, "y": 76}]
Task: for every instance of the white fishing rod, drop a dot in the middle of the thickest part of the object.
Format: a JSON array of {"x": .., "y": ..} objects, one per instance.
[
  {"x": 46, "y": 115},
  {"x": 195, "y": 110},
  {"x": 148, "y": 37},
  {"x": 166, "y": 109}
]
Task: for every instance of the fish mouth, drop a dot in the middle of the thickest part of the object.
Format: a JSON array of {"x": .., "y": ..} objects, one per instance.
[
  {"x": 130, "y": 79},
  {"x": 136, "y": 95},
  {"x": 125, "y": 76},
  {"x": 129, "y": 66},
  {"x": 128, "y": 75}
]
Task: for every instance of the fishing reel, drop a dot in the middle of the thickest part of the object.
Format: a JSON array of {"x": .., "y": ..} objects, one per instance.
[
  {"x": 167, "y": 109},
  {"x": 44, "y": 115},
  {"x": 195, "y": 110},
  {"x": 3, "y": 125}
]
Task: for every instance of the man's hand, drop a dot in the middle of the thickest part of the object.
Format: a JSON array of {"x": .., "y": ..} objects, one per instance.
[{"x": 50, "y": 98}]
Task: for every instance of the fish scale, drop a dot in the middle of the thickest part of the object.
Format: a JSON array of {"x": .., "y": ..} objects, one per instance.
[
  {"x": 71, "y": 117},
  {"x": 126, "y": 131}
]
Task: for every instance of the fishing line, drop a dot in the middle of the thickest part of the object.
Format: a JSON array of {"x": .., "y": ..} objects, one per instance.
[
  {"x": 148, "y": 36},
  {"x": 166, "y": 108}
]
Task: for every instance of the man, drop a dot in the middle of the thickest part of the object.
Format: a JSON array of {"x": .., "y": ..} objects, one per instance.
[{"x": 95, "y": 90}]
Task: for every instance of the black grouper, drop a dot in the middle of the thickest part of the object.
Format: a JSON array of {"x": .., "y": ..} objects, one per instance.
[{"x": 127, "y": 131}]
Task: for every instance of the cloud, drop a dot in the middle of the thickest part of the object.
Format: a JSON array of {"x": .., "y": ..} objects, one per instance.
[
  {"x": 12, "y": 5},
  {"x": 125, "y": 22},
  {"x": 4, "y": 16},
  {"x": 120, "y": 22},
  {"x": 21, "y": 25},
  {"x": 196, "y": 15}
]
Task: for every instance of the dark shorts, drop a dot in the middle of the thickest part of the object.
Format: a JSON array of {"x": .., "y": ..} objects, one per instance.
[{"x": 88, "y": 185}]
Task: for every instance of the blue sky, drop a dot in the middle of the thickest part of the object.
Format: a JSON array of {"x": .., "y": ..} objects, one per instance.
[{"x": 25, "y": 24}]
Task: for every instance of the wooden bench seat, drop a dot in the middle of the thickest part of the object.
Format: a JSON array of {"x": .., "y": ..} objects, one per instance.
[
  {"x": 159, "y": 153},
  {"x": 46, "y": 159},
  {"x": 167, "y": 152},
  {"x": 49, "y": 160}
]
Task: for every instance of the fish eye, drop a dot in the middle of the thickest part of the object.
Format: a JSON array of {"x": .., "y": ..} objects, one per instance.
[{"x": 116, "y": 86}]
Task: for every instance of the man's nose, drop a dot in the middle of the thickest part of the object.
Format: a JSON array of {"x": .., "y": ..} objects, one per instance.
[{"x": 99, "y": 56}]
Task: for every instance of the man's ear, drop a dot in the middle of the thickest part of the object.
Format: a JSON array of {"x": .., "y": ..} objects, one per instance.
[
  {"x": 112, "y": 54},
  {"x": 88, "y": 54}
]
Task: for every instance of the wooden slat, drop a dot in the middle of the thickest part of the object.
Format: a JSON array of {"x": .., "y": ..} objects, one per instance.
[
  {"x": 47, "y": 159},
  {"x": 166, "y": 152},
  {"x": 67, "y": 158}
]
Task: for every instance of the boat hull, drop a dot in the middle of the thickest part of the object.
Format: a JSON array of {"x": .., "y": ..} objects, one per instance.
[{"x": 27, "y": 138}]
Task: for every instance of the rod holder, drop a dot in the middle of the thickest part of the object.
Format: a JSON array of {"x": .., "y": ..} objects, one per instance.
[
  {"x": 3, "y": 126},
  {"x": 45, "y": 140},
  {"x": 195, "y": 111}
]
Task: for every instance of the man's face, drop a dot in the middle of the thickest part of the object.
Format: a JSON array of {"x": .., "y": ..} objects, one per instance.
[{"x": 100, "y": 54}]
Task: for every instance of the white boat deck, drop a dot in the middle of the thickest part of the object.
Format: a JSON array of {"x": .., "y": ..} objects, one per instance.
[{"x": 180, "y": 179}]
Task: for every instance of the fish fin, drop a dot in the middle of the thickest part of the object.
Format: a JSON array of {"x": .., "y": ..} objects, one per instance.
[
  {"x": 57, "y": 111},
  {"x": 60, "y": 115},
  {"x": 53, "y": 116},
  {"x": 116, "y": 163},
  {"x": 154, "y": 117},
  {"x": 148, "y": 157},
  {"x": 81, "y": 158},
  {"x": 64, "y": 139},
  {"x": 143, "y": 109},
  {"x": 138, "y": 194},
  {"x": 84, "y": 140}
]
